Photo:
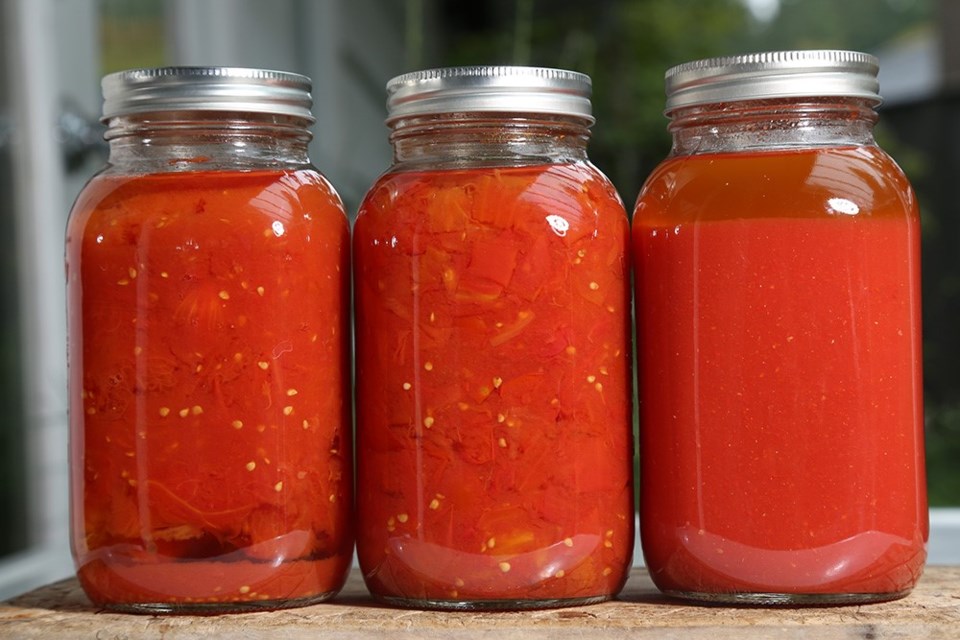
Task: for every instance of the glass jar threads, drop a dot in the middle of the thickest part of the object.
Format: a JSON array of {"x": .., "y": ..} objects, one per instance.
[
  {"x": 208, "y": 279},
  {"x": 778, "y": 316},
  {"x": 493, "y": 365}
]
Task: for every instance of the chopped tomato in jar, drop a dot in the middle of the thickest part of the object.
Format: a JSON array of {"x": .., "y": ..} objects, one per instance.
[
  {"x": 210, "y": 425},
  {"x": 493, "y": 386}
]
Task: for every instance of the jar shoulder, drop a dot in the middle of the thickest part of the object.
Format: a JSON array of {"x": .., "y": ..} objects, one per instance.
[
  {"x": 488, "y": 196},
  {"x": 776, "y": 183},
  {"x": 236, "y": 198}
]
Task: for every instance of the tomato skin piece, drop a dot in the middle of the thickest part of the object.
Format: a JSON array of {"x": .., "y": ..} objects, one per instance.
[
  {"x": 482, "y": 377},
  {"x": 780, "y": 375},
  {"x": 209, "y": 389}
]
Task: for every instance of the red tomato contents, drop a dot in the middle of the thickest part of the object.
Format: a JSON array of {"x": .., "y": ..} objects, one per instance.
[
  {"x": 493, "y": 373},
  {"x": 780, "y": 376},
  {"x": 209, "y": 415}
]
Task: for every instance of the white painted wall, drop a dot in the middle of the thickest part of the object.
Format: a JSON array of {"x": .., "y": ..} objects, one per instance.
[{"x": 40, "y": 200}]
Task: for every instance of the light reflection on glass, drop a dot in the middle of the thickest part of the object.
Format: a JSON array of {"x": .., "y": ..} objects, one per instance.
[
  {"x": 843, "y": 206},
  {"x": 559, "y": 224}
]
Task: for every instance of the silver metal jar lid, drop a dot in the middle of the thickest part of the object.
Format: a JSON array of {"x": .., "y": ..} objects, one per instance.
[
  {"x": 138, "y": 91},
  {"x": 776, "y": 74},
  {"x": 489, "y": 88}
]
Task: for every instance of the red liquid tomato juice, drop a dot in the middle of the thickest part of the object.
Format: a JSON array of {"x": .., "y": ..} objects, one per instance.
[
  {"x": 780, "y": 374},
  {"x": 493, "y": 427},
  {"x": 210, "y": 423}
]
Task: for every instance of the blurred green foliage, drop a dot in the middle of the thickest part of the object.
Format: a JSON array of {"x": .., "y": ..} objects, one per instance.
[
  {"x": 861, "y": 25},
  {"x": 943, "y": 454},
  {"x": 132, "y": 34},
  {"x": 627, "y": 45}
]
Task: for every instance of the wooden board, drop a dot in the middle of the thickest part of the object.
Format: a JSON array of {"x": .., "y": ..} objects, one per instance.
[{"x": 61, "y": 610}]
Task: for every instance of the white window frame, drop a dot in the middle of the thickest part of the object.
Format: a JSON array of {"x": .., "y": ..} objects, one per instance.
[{"x": 39, "y": 201}]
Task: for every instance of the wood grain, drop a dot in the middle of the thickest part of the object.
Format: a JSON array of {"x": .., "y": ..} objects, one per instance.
[{"x": 61, "y": 610}]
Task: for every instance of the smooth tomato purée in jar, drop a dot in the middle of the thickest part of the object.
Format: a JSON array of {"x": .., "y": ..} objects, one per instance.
[{"x": 780, "y": 376}]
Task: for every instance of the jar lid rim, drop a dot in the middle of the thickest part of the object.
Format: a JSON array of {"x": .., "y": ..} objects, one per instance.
[
  {"x": 498, "y": 88},
  {"x": 202, "y": 88},
  {"x": 773, "y": 74}
]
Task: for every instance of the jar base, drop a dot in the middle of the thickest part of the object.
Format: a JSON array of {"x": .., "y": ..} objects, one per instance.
[
  {"x": 773, "y": 599},
  {"x": 489, "y": 605},
  {"x": 213, "y": 608}
]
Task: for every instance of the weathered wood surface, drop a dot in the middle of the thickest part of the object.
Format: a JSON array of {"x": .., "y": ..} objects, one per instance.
[{"x": 61, "y": 610}]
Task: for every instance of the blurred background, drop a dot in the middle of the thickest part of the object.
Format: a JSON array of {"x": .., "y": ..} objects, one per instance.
[{"x": 53, "y": 53}]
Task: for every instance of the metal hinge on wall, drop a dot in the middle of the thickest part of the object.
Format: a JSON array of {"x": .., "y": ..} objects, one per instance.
[{"x": 79, "y": 136}]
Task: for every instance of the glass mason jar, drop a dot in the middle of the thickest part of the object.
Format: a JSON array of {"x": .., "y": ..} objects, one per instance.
[
  {"x": 778, "y": 315},
  {"x": 207, "y": 279},
  {"x": 493, "y": 356}
]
